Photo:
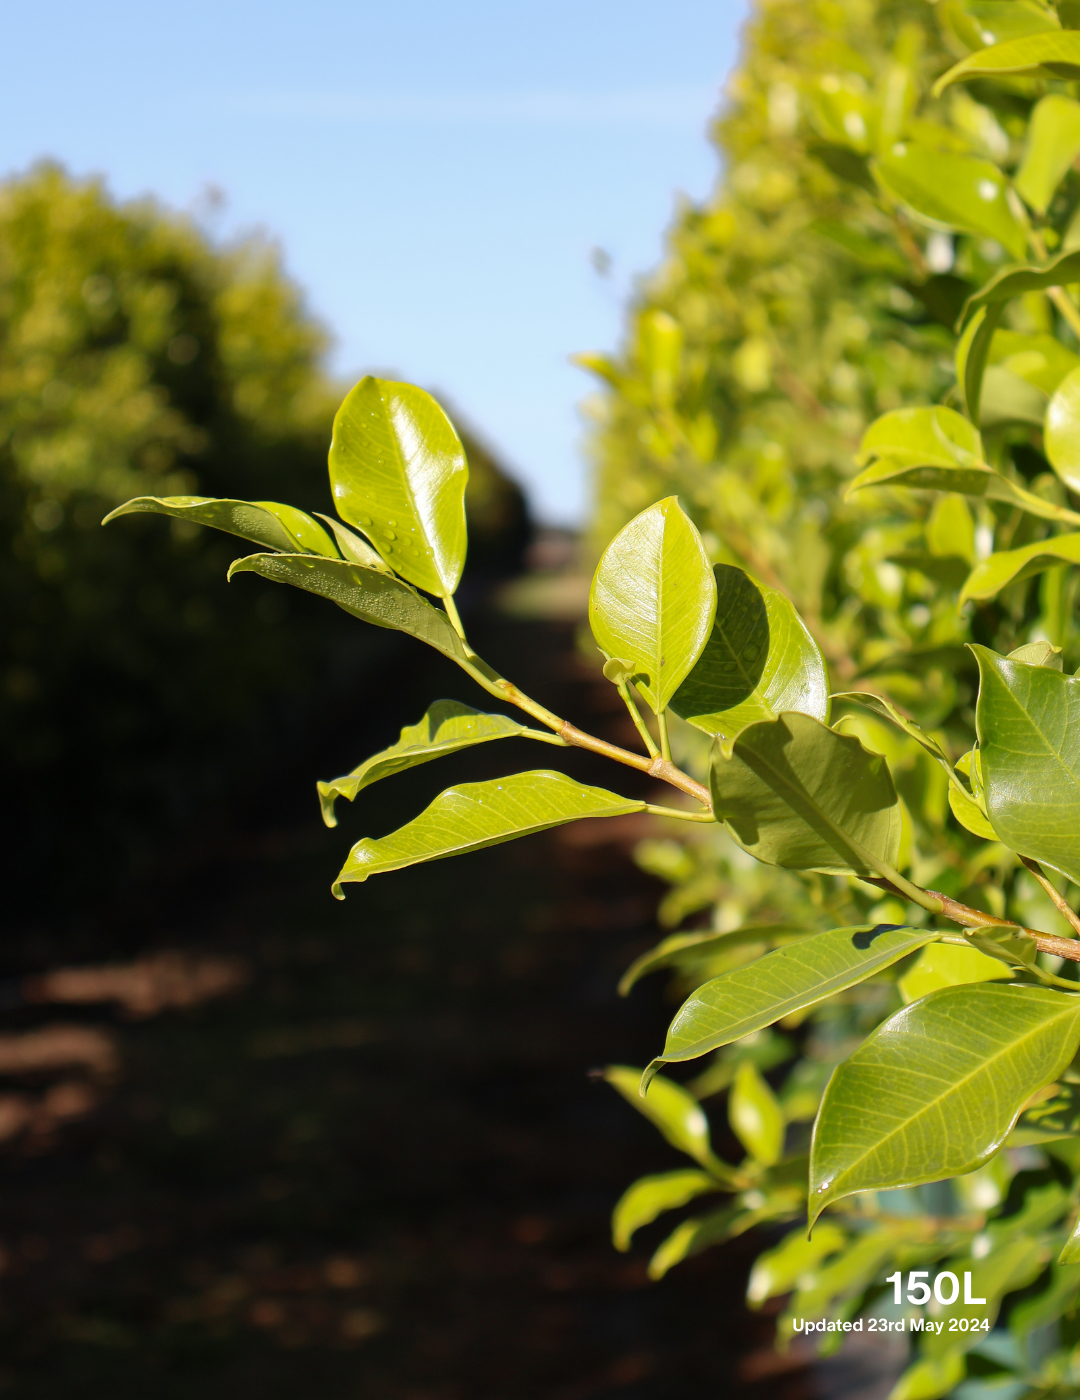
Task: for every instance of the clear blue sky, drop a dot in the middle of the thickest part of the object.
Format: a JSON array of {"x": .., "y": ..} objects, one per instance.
[{"x": 437, "y": 173}]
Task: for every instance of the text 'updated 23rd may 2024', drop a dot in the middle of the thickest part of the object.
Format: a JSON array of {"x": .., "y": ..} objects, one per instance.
[{"x": 945, "y": 1293}]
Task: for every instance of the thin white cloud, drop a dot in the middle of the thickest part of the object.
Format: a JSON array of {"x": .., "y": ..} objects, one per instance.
[{"x": 652, "y": 107}]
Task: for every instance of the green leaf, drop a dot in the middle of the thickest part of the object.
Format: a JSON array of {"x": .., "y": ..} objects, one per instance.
[
  {"x": 1053, "y": 143},
  {"x": 268, "y": 523},
  {"x": 1028, "y": 720},
  {"x": 989, "y": 577},
  {"x": 797, "y": 794},
  {"x": 398, "y": 471},
  {"x": 1070, "y": 1252},
  {"x": 850, "y": 1274},
  {"x": 369, "y": 594},
  {"x": 650, "y": 1196},
  {"x": 476, "y": 815},
  {"x": 970, "y": 815},
  {"x": 951, "y": 190},
  {"x": 758, "y": 662},
  {"x": 879, "y": 705},
  {"x": 1062, "y": 432},
  {"x": 1054, "y": 54},
  {"x": 447, "y": 727},
  {"x": 653, "y": 599},
  {"x": 756, "y": 1117},
  {"x": 1011, "y": 282},
  {"x": 972, "y": 353},
  {"x": 1039, "y": 654},
  {"x": 1008, "y": 944},
  {"x": 948, "y": 965},
  {"x": 748, "y": 998},
  {"x": 935, "y": 1089},
  {"x": 1051, "y": 1120},
  {"x": 674, "y": 950},
  {"x": 936, "y": 449},
  {"x": 1040, "y": 359},
  {"x": 700, "y": 1232},
  {"x": 927, "y": 1380},
  {"x": 1047, "y": 1306},
  {"x": 1012, "y": 1265},
  {"x": 777, "y": 1270},
  {"x": 674, "y": 1110},
  {"x": 354, "y": 547}
]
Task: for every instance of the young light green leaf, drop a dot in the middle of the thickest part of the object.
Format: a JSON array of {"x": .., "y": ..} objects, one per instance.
[
  {"x": 935, "y": 1089},
  {"x": 650, "y": 1196},
  {"x": 748, "y": 998},
  {"x": 758, "y": 662},
  {"x": 1040, "y": 653},
  {"x": 756, "y": 1117},
  {"x": 954, "y": 190},
  {"x": 927, "y": 1380},
  {"x": 1028, "y": 720},
  {"x": 777, "y": 1270},
  {"x": 369, "y": 594},
  {"x": 699, "y": 1233},
  {"x": 1053, "y": 54},
  {"x": 398, "y": 471},
  {"x": 797, "y": 794},
  {"x": 447, "y": 727},
  {"x": 970, "y": 815},
  {"x": 476, "y": 815},
  {"x": 989, "y": 577},
  {"x": 948, "y": 965},
  {"x": 354, "y": 547},
  {"x": 819, "y": 1288},
  {"x": 653, "y": 599},
  {"x": 1040, "y": 359},
  {"x": 972, "y": 354},
  {"x": 1012, "y": 1265},
  {"x": 1008, "y": 944},
  {"x": 675, "y": 1111},
  {"x": 1062, "y": 431},
  {"x": 673, "y": 949},
  {"x": 1053, "y": 143},
  {"x": 268, "y": 523}
]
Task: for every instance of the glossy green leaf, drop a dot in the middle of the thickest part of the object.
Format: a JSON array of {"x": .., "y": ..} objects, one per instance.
[
  {"x": 797, "y": 794},
  {"x": 476, "y": 815},
  {"x": 936, "y": 449},
  {"x": 995, "y": 21},
  {"x": 354, "y": 547},
  {"x": 369, "y": 594},
  {"x": 675, "y": 1111},
  {"x": 948, "y": 965},
  {"x": 989, "y": 577},
  {"x": 653, "y": 599},
  {"x": 1054, "y": 54},
  {"x": 1062, "y": 433},
  {"x": 756, "y": 1117},
  {"x": 447, "y": 727},
  {"x": 758, "y": 662},
  {"x": 1010, "y": 282},
  {"x": 879, "y": 705},
  {"x": 777, "y": 1270},
  {"x": 268, "y": 523},
  {"x": 1040, "y": 359},
  {"x": 1053, "y": 143},
  {"x": 1012, "y": 1265},
  {"x": 935, "y": 1089},
  {"x": 1028, "y": 720},
  {"x": 398, "y": 471},
  {"x": 952, "y": 190},
  {"x": 650, "y": 1196},
  {"x": 970, "y": 815},
  {"x": 745, "y": 1000},
  {"x": 972, "y": 354},
  {"x": 671, "y": 951}
]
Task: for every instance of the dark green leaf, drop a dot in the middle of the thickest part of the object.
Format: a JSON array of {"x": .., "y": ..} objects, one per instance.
[
  {"x": 370, "y": 594},
  {"x": 650, "y": 1196},
  {"x": 935, "y": 1089},
  {"x": 653, "y": 599},
  {"x": 475, "y": 815},
  {"x": 1028, "y": 719},
  {"x": 268, "y": 523},
  {"x": 797, "y": 794},
  {"x": 989, "y": 577},
  {"x": 398, "y": 471},
  {"x": 759, "y": 661},
  {"x": 1054, "y": 54},
  {"x": 784, "y": 981}
]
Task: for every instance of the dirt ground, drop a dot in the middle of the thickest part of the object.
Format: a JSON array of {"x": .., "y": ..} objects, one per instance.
[{"x": 255, "y": 1142}]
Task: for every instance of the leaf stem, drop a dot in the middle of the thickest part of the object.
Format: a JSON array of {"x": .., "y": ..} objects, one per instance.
[
  {"x": 454, "y": 616},
  {"x": 623, "y": 688},
  {"x": 665, "y": 742},
  {"x": 679, "y": 814},
  {"x": 1060, "y": 902}
]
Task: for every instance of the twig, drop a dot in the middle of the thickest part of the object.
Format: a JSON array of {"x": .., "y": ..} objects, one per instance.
[{"x": 1061, "y": 903}]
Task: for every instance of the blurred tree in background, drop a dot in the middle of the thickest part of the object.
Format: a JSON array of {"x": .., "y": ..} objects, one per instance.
[{"x": 137, "y": 693}]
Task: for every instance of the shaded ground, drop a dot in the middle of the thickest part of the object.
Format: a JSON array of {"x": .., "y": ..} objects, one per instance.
[{"x": 351, "y": 1150}]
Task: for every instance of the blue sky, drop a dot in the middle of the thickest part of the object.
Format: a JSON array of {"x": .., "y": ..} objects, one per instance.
[{"x": 437, "y": 173}]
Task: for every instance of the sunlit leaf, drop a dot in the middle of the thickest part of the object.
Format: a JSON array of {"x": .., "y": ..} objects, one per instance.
[
  {"x": 745, "y": 1000},
  {"x": 777, "y": 1270},
  {"x": 1010, "y": 282},
  {"x": 354, "y": 547},
  {"x": 948, "y": 965},
  {"x": 398, "y": 472},
  {"x": 1011, "y": 1265},
  {"x": 756, "y": 1117},
  {"x": 676, "y": 948},
  {"x": 758, "y": 662},
  {"x": 927, "y": 1380},
  {"x": 369, "y": 594},
  {"x": 1054, "y": 54},
  {"x": 650, "y": 1196},
  {"x": 476, "y": 815},
  {"x": 797, "y": 794},
  {"x": 935, "y": 1089},
  {"x": 989, "y": 577},
  {"x": 822, "y": 1285},
  {"x": 957, "y": 191},
  {"x": 701, "y": 1232},
  {"x": 1062, "y": 435},
  {"x": 447, "y": 727},
  {"x": 1040, "y": 359},
  {"x": 1053, "y": 143},
  {"x": 970, "y": 815},
  {"x": 653, "y": 599},
  {"x": 675, "y": 1111},
  {"x": 268, "y": 523},
  {"x": 1051, "y": 1120},
  {"x": 1028, "y": 719}
]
